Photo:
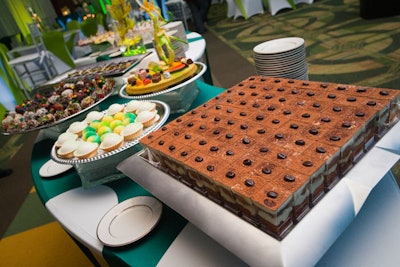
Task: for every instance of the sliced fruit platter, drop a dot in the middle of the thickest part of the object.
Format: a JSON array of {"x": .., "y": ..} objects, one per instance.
[
  {"x": 57, "y": 103},
  {"x": 158, "y": 77},
  {"x": 105, "y": 133}
]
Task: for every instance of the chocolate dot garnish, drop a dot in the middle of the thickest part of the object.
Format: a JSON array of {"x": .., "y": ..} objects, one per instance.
[
  {"x": 306, "y": 83},
  {"x": 266, "y": 88},
  {"x": 313, "y": 131},
  {"x": 320, "y": 149},
  {"x": 217, "y": 97},
  {"x": 331, "y": 96},
  {"x": 252, "y": 87},
  {"x": 263, "y": 150},
  {"x": 217, "y": 119},
  {"x": 161, "y": 142},
  {"x": 194, "y": 112},
  {"x": 230, "y": 174},
  {"x": 203, "y": 116},
  {"x": 230, "y": 153},
  {"x": 249, "y": 182},
  {"x": 281, "y": 89},
  {"x": 277, "y": 81},
  {"x": 289, "y": 178},
  {"x": 335, "y": 138},
  {"x": 247, "y": 162},
  {"x": 324, "y": 85},
  {"x": 263, "y": 79},
  {"x": 272, "y": 194},
  {"x": 202, "y": 142},
  {"x": 259, "y": 117},
  {"x": 243, "y": 103},
  {"x": 202, "y": 127},
  {"x": 190, "y": 124},
  {"x": 171, "y": 148},
  {"x": 184, "y": 153},
  {"x": 326, "y": 119},
  {"x": 371, "y": 103},
  {"x": 282, "y": 99},
  {"x": 271, "y": 108},
  {"x": 252, "y": 79},
  {"x": 294, "y": 126},
  {"x": 384, "y": 93},
  {"x": 244, "y": 126},
  {"x": 229, "y": 100},
  {"x": 210, "y": 168},
  {"x": 300, "y": 142},
  {"x": 218, "y": 107},
  {"x": 275, "y": 121},
  {"x": 266, "y": 170},
  {"x": 231, "y": 122},
  {"x": 178, "y": 120},
  {"x": 300, "y": 103},
  {"x": 268, "y": 96},
  {"x": 164, "y": 128},
  {"x": 205, "y": 105},
  {"x": 316, "y": 105},
  {"x": 346, "y": 124},
  {"x": 306, "y": 115},
  {"x": 287, "y": 112},
  {"x": 341, "y": 88},
  {"x": 229, "y": 136},
  {"x": 198, "y": 159},
  {"x": 360, "y": 114},
  {"x": 351, "y": 99},
  {"x": 241, "y": 93},
  {"x": 256, "y": 105},
  {"x": 229, "y": 110},
  {"x": 281, "y": 156},
  {"x": 279, "y": 136},
  {"x": 337, "y": 109},
  {"x": 243, "y": 114},
  {"x": 254, "y": 94},
  {"x": 176, "y": 133},
  {"x": 295, "y": 92},
  {"x": 307, "y": 163},
  {"x": 291, "y": 81},
  {"x": 310, "y": 93},
  {"x": 261, "y": 131},
  {"x": 214, "y": 148},
  {"x": 246, "y": 141},
  {"x": 188, "y": 136},
  {"x": 361, "y": 90}
]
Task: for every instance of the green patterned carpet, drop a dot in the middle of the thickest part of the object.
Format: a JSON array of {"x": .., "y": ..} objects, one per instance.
[{"x": 341, "y": 46}]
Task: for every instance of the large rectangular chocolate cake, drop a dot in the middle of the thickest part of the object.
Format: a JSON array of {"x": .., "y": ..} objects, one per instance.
[{"x": 268, "y": 149}]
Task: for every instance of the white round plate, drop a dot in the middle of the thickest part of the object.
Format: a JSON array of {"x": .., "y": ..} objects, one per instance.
[
  {"x": 279, "y": 45},
  {"x": 115, "y": 54},
  {"x": 129, "y": 221},
  {"x": 52, "y": 168}
]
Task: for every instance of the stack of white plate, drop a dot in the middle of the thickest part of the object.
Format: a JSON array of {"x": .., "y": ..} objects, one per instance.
[{"x": 284, "y": 57}]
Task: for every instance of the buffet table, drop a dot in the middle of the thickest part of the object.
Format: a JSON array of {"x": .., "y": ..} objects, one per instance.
[{"x": 175, "y": 239}]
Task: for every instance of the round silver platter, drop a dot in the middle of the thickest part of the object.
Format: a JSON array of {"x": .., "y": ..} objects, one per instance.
[
  {"x": 70, "y": 118},
  {"x": 201, "y": 68},
  {"x": 163, "y": 111}
]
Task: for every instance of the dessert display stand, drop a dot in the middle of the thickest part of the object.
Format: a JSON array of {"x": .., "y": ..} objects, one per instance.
[{"x": 307, "y": 242}]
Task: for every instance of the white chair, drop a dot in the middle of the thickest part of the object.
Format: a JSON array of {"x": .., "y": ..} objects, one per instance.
[
  {"x": 180, "y": 11},
  {"x": 36, "y": 67},
  {"x": 276, "y": 5},
  {"x": 231, "y": 8},
  {"x": 251, "y": 8}
]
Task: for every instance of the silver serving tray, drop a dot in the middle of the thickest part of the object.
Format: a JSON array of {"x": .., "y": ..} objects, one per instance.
[
  {"x": 163, "y": 111},
  {"x": 199, "y": 72}
]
